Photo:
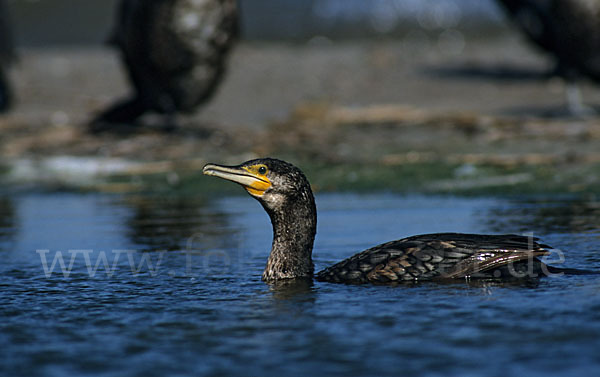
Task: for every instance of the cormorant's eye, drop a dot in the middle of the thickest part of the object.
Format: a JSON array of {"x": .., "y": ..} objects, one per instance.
[{"x": 262, "y": 170}]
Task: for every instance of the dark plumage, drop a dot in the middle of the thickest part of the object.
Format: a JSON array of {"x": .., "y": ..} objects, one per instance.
[
  {"x": 442, "y": 255},
  {"x": 285, "y": 194},
  {"x": 567, "y": 29},
  {"x": 6, "y": 58},
  {"x": 174, "y": 52},
  {"x": 534, "y": 19}
]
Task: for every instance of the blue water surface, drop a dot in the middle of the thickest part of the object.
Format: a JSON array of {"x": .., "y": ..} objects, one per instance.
[{"x": 179, "y": 291}]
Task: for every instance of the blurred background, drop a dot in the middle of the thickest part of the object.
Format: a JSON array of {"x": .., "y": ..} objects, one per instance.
[
  {"x": 444, "y": 85},
  {"x": 285, "y": 20}
]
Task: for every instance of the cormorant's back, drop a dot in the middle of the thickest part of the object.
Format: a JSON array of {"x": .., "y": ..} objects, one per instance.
[{"x": 441, "y": 256}]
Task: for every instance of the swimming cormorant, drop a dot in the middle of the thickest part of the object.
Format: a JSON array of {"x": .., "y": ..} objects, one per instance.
[
  {"x": 285, "y": 194},
  {"x": 567, "y": 29},
  {"x": 6, "y": 58},
  {"x": 174, "y": 52}
]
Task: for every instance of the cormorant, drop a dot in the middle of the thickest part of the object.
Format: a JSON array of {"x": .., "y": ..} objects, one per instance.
[
  {"x": 567, "y": 29},
  {"x": 6, "y": 58},
  {"x": 285, "y": 194},
  {"x": 174, "y": 52}
]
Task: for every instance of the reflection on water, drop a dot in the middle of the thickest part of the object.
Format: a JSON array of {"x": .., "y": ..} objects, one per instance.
[
  {"x": 7, "y": 222},
  {"x": 175, "y": 223},
  {"x": 291, "y": 288},
  {"x": 218, "y": 318},
  {"x": 547, "y": 215}
]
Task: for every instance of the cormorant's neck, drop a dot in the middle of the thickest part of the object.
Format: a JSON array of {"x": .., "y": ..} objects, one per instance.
[{"x": 294, "y": 221}]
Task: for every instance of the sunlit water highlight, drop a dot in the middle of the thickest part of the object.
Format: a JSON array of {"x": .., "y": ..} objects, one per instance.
[{"x": 180, "y": 293}]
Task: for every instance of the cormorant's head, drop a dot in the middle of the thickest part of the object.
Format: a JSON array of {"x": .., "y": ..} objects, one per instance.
[{"x": 273, "y": 182}]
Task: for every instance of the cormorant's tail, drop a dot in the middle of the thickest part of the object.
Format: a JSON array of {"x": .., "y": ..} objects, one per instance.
[{"x": 570, "y": 271}]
